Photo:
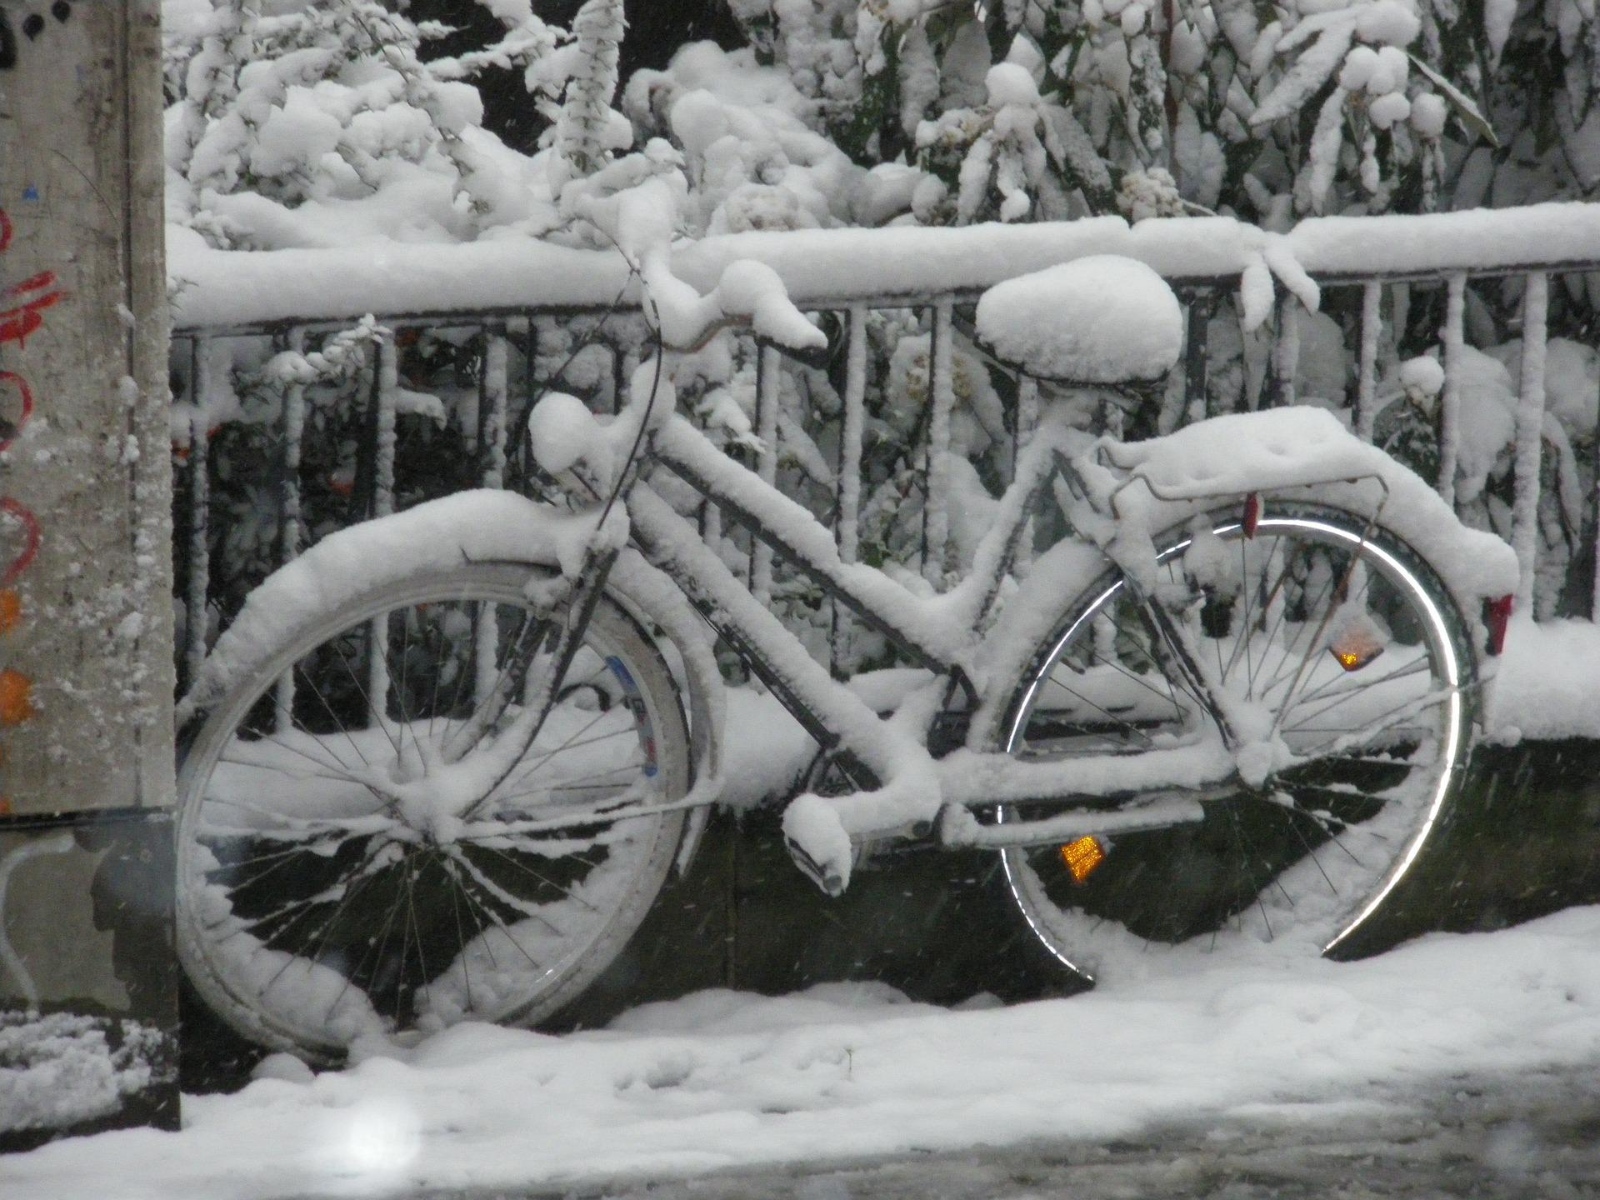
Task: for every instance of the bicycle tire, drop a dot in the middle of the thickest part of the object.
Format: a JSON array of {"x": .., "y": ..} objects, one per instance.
[
  {"x": 1310, "y": 857},
  {"x": 313, "y": 910}
]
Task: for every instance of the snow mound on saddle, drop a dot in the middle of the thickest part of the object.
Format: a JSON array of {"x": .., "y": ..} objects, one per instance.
[
  {"x": 1100, "y": 319},
  {"x": 1284, "y": 448}
]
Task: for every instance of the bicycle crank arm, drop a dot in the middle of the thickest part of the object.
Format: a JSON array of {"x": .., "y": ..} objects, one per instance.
[{"x": 958, "y": 827}]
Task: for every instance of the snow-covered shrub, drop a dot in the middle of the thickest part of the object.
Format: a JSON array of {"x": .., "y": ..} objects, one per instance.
[
  {"x": 298, "y": 124},
  {"x": 751, "y": 158},
  {"x": 1303, "y": 106},
  {"x": 1488, "y": 390}
]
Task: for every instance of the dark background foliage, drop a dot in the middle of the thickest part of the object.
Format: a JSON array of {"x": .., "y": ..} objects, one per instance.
[{"x": 656, "y": 28}]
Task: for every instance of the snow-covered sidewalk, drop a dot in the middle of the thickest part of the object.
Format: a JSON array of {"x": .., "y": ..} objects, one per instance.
[{"x": 720, "y": 1079}]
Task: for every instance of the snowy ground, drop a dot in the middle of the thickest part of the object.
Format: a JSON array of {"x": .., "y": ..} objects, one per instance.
[{"x": 720, "y": 1080}]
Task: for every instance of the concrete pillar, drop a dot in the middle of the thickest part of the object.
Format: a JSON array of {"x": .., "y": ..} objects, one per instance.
[{"x": 86, "y": 740}]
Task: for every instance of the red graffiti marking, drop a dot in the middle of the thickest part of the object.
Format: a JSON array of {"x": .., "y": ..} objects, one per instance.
[
  {"x": 19, "y": 323},
  {"x": 8, "y": 428},
  {"x": 28, "y": 301},
  {"x": 31, "y": 537}
]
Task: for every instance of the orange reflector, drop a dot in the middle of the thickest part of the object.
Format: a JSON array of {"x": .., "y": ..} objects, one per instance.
[
  {"x": 1356, "y": 645},
  {"x": 1083, "y": 857}
]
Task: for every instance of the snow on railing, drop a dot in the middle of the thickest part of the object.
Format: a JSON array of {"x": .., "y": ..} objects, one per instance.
[{"x": 518, "y": 304}]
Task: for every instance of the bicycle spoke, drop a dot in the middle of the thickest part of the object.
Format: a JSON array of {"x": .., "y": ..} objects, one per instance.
[
  {"x": 533, "y": 763},
  {"x": 1358, "y": 689},
  {"x": 493, "y": 889},
  {"x": 361, "y": 688},
  {"x": 416, "y": 925}
]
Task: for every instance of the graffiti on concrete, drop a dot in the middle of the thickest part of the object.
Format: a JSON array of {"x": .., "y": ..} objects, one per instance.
[
  {"x": 32, "y": 26},
  {"x": 24, "y": 304},
  {"x": 37, "y": 293}
]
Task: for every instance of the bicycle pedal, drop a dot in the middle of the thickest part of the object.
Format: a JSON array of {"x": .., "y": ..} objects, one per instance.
[{"x": 829, "y": 881}]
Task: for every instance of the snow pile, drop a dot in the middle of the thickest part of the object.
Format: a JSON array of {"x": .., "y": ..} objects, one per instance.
[
  {"x": 1100, "y": 319},
  {"x": 61, "y": 1069},
  {"x": 1548, "y": 685},
  {"x": 1571, "y": 382},
  {"x": 721, "y": 1079}
]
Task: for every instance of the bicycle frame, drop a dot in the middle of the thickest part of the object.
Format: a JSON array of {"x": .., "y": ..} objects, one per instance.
[
  {"x": 937, "y": 633},
  {"x": 914, "y": 770}
]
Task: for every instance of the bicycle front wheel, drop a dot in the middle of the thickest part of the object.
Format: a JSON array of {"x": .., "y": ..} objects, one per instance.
[
  {"x": 1339, "y": 636},
  {"x": 345, "y": 871}
]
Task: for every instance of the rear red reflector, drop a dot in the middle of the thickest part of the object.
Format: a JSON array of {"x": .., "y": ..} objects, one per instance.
[{"x": 1497, "y": 617}]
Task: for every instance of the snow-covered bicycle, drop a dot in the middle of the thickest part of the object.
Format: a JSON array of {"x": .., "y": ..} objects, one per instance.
[{"x": 440, "y": 766}]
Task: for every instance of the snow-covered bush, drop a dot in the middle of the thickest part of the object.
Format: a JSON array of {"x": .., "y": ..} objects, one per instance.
[
  {"x": 1035, "y": 109},
  {"x": 298, "y": 124},
  {"x": 1487, "y": 388}
]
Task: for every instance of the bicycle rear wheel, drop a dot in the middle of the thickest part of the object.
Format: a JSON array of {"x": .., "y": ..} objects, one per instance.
[
  {"x": 340, "y": 877},
  {"x": 1349, "y": 643}
]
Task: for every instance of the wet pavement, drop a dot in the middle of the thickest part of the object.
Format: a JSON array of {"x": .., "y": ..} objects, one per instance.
[{"x": 1508, "y": 1138}]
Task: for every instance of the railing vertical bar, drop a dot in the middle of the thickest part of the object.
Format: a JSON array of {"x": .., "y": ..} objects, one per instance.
[
  {"x": 1594, "y": 598},
  {"x": 385, "y": 386},
  {"x": 1367, "y": 376},
  {"x": 1285, "y": 351},
  {"x": 1027, "y": 426},
  {"x": 1450, "y": 398},
  {"x": 942, "y": 387},
  {"x": 495, "y": 389},
  {"x": 767, "y": 380},
  {"x": 492, "y": 414},
  {"x": 196, "y": 600},
  {"x": 294, "y": 425},
  {"x": 855, "y": 395},
  {"x": 1196, "y": 362},
  {"x": 388, "y": 383},
  {"x": 1530, "y": 435},
  {"x": 848, "y": 531},
  {"x": 530, "y": 396}
]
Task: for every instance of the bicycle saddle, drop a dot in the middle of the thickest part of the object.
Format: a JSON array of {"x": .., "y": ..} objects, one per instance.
[{"x": 1103, "y": 319}]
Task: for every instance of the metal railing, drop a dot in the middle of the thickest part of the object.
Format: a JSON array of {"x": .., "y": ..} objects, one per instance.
[{"x": 580, "y": 331}]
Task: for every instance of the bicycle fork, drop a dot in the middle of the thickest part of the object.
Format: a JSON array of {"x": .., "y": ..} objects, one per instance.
[{"x": 537, "y": 702}]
